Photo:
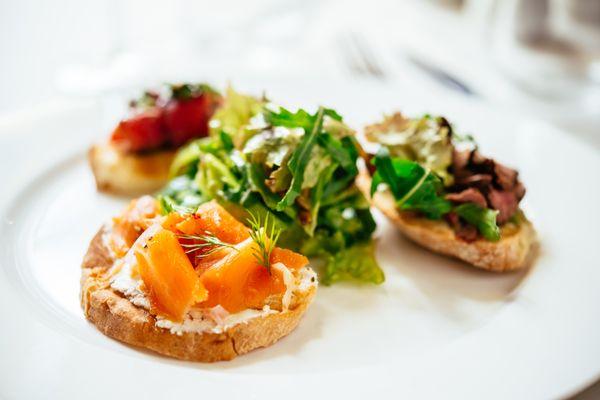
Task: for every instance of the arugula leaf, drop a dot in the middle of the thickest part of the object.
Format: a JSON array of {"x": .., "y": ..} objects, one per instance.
[
  {"x": 385, "y": 173},
  {"x": 300, "y": 119},
  {"x": 299, "y": 160},
  {"x": 331, "y": 113},
  {"x": 414, "y": 187},
  {"x": 317, "y": 197},
  {"x": 286, "y": 118},
  {"x": 343, "y": 151},
  {"x": 483, "y": 218}
]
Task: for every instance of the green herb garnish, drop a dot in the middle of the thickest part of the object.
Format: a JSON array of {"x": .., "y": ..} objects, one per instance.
[
  {"x": 206, "y": 241},
  {"x": 265, "y": 235}
]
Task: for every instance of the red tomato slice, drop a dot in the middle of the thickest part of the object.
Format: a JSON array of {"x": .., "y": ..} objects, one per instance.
[
  {"x": 187, "y": 119},
  {"x": 141, "y": 132}
]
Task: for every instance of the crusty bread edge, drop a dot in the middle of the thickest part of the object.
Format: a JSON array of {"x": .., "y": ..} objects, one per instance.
[
  {"x": 129, "y": 174},
  {"x": 118, "y": 318},
  {"x": 515, "y": 250}
]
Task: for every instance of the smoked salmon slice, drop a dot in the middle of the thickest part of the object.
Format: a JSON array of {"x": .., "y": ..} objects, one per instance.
[{"x": 168, "y": 275}]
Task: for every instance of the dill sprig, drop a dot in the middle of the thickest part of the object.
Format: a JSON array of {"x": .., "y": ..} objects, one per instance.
[
  {"x": 265, "y": 235},
  {"x": 206, "y": 241}
]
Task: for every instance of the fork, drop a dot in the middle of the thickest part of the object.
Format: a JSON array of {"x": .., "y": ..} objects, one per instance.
[
  {"x": 358, "y": 57},
  {"x": 361, "y": 60}
]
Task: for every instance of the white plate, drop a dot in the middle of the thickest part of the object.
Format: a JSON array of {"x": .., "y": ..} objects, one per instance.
[{"x": 436, "y": 328}]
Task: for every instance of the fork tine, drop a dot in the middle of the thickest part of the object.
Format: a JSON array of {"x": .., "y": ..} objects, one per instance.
[
  {"x": 350, "y": 59},
  {"x": 367, "y": 55}
]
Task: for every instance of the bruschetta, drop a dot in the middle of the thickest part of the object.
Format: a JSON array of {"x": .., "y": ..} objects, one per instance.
[
  {"x": 136, "y": 158},
  {"x": 197, "y": 286},
  {"x": 440, "y": 192}
]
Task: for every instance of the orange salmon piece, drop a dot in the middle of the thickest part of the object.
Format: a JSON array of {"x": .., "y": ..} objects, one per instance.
[
  {"x": 238, "y": 281},
  {"x": 130, "y": 224},
  {"x": 212, "y": 217},
  {"x": 289, "y": 258},
  {"x": 171, "y": 282}
]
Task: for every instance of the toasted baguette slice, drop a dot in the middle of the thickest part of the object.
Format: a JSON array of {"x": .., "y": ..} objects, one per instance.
[
  {"x": 129, "y": 174},
  {"x": 117, "y": 317},
  {"x": 513, "y": 251}
]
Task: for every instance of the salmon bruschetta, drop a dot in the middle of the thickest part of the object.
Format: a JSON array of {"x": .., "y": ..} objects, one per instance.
[{"x": 195, "y": 285}]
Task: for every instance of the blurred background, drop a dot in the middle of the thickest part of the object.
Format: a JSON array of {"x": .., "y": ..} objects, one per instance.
[
  {"x": 534, "y": 57},
  {"x": 540, "y": 57}
]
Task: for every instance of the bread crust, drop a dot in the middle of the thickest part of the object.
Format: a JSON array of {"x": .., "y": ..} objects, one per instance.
[
  {"x": 129, "y": 174},
  {"x": 117, "y": 317},
  {"x": 513, "y": 251}
]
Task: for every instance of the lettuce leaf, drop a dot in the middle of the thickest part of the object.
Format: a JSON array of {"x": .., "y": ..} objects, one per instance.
[
  {"x": 426, "y": 140},
  {"x": 272, "y": 147},
  {"x": 213, "y": 174},
  {"x": 233, "y": 117},
  {"x": 355, "y": 263},
  {"x": 180, "y": 194}
]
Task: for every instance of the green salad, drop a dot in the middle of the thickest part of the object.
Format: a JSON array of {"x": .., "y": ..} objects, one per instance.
[{"x": 263, "y": 159}]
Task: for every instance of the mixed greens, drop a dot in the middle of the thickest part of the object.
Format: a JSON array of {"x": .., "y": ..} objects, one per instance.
[
  {"x": 419, "y": 189},
  {"x": 425, "y": 140},
  {"x": 262, "y": 159}
]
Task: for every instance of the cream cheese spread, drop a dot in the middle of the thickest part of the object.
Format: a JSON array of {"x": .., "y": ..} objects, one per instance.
[{"x": 215, "y": 319}]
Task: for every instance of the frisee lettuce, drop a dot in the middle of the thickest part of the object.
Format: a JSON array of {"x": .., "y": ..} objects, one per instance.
[
  {"x": 426, "y": 140},
  {"x": 233, "y": 118}
]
